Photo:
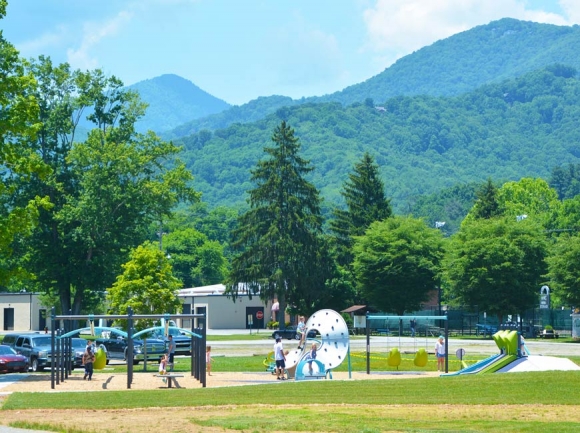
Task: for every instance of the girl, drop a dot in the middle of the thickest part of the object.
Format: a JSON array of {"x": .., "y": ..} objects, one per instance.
[
  {"x": 208, "y": 360},
  {"x": 163, "y": 367}
]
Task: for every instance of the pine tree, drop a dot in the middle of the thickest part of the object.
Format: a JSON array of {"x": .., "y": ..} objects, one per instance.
[
  {"x": 487, "y": 205},
  {"x": 278, "y": 239},
  {"x": 364, "y": 193}
]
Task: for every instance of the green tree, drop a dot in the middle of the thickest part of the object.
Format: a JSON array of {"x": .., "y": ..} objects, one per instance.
[
  {"x": 147, "y": 285},
  {"x": 563, "y": 271},
  {"x": 397, "y": 263},
  {"x": 486, "y": 205},
  {"x": 18, "y": 125},
  {"x": 196, "y": 260},
  {"x": 278, "y": 239},
  {"x": 366, "y": 202},
  {"x": 531, "y": 197},
  {"x": 106, "y": 191},
  {"x": 497, "y": 265}
]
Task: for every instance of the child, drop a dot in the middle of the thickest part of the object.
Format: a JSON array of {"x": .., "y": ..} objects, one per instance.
[
  {"x": 163, "y": 367},
  {"x": 208, "y": 360},
  {"x": 300, "y": 330},
  {"x": 310, "y": 357}
]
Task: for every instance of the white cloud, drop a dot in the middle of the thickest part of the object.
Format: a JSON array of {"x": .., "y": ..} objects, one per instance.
[
  {"x": 398, "y": 27},
  {"x": 93, "y": 33},
  {"x": 45, "y": 41},
  {"x": 572, "y": 9}
]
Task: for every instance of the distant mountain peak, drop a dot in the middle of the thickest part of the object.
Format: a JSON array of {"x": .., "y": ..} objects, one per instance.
[{"x": 173, "y": 101}]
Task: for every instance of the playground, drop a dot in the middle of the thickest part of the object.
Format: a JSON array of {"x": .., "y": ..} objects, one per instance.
[{"x": 224, "y": 406}]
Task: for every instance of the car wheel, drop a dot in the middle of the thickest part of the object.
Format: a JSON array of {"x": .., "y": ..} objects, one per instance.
[
  {"x": 35, "y": 366},
  {"x": 297, "y": 336}
]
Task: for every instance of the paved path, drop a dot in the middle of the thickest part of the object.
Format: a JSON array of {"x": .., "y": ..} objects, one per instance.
[{"x": 383, "y": 344}]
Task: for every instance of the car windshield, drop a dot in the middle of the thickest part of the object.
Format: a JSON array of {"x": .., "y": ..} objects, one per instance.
[
  {"x": 42, "y": 341},
  {"x": 79, "y": 343},
  {"x": 5, "y": 350}
]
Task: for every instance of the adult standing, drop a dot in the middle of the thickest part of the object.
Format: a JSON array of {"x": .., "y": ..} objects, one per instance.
[
  {"x": 280, "y": 358},
  {"x": 171, "y": 351},
  {"x": 440, "y": 351},
  {"x": 412, "y": 325},
  {"x": 88, "y": 361}
]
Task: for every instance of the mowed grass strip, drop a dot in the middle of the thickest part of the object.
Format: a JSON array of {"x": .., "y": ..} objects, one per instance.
[
  {"x": 400, "y": 418},
  {"x": 491, "y": 389}
]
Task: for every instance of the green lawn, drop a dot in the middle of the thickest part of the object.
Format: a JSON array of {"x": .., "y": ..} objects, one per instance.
[{"x": 481, "y": 403}]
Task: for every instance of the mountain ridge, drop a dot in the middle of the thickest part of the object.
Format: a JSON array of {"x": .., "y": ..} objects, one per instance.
[{"x": 508, "y": 48}]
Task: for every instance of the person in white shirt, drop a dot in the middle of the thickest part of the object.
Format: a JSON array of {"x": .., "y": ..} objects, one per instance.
[
  {"x": 280, "y": 358},
  {"x": 440, "y": 351}
]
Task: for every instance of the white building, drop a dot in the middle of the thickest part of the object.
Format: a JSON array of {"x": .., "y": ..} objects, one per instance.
[
  {"x": 222, "y": 312},
  {"x": 22, "y": 312}
]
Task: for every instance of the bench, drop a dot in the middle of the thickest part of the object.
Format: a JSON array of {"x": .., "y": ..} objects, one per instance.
[
  {"x": 169, "y": 378},
  {"x": 382, "y": 331}
]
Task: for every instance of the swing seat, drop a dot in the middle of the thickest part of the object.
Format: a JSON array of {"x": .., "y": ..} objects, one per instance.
[
  {"x": 100, "y": 359},
  {"x": 394, "y": 358},
  {"x": 421, "y": 358}
]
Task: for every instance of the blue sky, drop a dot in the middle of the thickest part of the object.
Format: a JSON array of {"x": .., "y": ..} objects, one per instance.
[{"x": 239, "y": 50}]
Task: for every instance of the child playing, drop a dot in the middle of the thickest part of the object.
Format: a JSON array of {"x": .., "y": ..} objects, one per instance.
[
  {"x": 310, "y": 357},
  {"x": 208, "y": 360},
  {"x": 163, "y": 367}
]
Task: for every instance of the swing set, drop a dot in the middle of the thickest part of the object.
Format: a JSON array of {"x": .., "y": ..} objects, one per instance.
[{"x": 394, "y": 357}]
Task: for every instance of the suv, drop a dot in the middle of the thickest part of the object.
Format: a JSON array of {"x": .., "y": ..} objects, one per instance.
[
  {"x": 182, "y": 341},
  {"x": 117, "y": 347},
  {"x": 36, "y": 347}
]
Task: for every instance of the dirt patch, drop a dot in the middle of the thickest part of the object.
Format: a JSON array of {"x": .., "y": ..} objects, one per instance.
[{"x": 147, "y": 419}]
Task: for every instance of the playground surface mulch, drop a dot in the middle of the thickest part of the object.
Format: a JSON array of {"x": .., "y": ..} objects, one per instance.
[{"x": 147, "y": 381}]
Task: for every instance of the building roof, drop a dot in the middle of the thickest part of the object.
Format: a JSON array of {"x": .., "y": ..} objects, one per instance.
[{"x": 354, "y": 309}]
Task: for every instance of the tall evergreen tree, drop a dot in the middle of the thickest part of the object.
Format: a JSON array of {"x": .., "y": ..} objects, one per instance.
[
  {"x": 278, "y": 240},
  {"x": 364, "y": 194},
  {"x": 487, "y": 205}
]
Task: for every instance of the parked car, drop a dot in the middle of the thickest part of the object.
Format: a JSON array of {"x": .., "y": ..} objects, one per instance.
[
  {"x": 36, "y": 348},
  {"x": 182, "y": 341},
  {"x": 10, "y": 361},
  {"x": 291, "y": 334},
  {"x": 117, "y": 347}
]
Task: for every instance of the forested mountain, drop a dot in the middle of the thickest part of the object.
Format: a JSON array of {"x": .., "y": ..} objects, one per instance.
[
  {"x": 490, "y": 53},
  {"x": 173, "y": 101},
  {"x": 502, "y": 49},
  {"x": 519, "y": 127},
  {"x": 252, "y": 111}
]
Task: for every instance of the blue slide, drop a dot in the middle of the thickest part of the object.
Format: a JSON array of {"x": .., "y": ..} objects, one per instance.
[{"x": 478, "y": 366}]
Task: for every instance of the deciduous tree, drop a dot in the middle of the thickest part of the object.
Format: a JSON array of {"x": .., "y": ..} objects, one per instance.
[
  {"x": 397, "y": 263},
  {"x": 18, "y": 125},
  {"x": 147, "y": 284},
  {"x": 497, "y": 265}
]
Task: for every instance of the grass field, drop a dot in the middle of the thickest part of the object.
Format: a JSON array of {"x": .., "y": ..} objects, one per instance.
[
  {"x": 534, "y": 402},
  {"x": 539, "y": 402}
]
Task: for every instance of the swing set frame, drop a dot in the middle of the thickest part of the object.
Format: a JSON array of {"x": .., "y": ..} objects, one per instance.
[{"x": 370, "y": 317}]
